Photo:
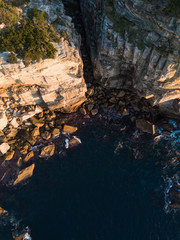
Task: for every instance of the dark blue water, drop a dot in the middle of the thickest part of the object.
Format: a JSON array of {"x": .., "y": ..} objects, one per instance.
[{"x": 98, "y": 193}]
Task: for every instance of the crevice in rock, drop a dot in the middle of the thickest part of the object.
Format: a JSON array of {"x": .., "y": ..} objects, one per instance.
[{"x": 72, "y": 9}]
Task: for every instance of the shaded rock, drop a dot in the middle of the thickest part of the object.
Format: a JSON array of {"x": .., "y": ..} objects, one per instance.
[
  {"x": 69, "y": 129},
  {"x": 94, "y": 112},
  {"x": 125, "y": 112},
  {"x": 11, "y": 133},
  {"x": 112, "y": 100},
  {"x": 74, "y": 142},
  {"x": 83, "y": 111},
  {"x": 90, "y": 92},
  {"x": 51, "y": 115},
  {"x": 90, "y": 106},
  {"x": 38, "y": 122},
  {"x": 24, "y": 174},
  {"x": 121, "y": 94},
  {"x": 28, "y": 156},
  {"x": 9, "y": 155},
  {"x": 145, "y": 126},
  {"x": 121, "y": 103},
  {"x": 47, "y": 151},
  {"x": 4, "y": 147},
  {"x": 46, "y": 135}
]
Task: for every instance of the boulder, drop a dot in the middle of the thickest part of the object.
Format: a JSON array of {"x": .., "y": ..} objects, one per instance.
[
  {"x": 90, "y": 106},
  {"x": 19, "y": 162},
  {"x": 37, "y": 122},
  {"x": 4, "y": 147},
  {"x": 28, "y": 156},
  {"x": 35, "y": 132},
  {"x": 9, "y": 155},
  {"x": 47, "y": 151},
  {"x": 55, "y": 132},
  {"x": 90, "y": 92},
  {"x": 46, "y": 135},
  {"x": 121, "y": 94},
  {"x": 3, "y": 120},
  {"x": 69, "y": 129},
  {"x": 83, "y": 111},
  {"x": 24, "y": 174},
  {"x": 94, "y": 112},
  {"x": 145, "y": 126},
  {"x": 112, "y": 100},
  {"x": 74, "y": 142},
  {"x": 11, "y": 133}
]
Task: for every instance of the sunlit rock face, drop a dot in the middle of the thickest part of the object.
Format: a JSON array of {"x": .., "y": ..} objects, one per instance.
[
  {"x": 56, "y": 83},
  {"x": 135, "y": 44}
]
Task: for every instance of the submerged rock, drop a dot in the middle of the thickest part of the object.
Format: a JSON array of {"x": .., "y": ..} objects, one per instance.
[{"x": 24, "y": 174}]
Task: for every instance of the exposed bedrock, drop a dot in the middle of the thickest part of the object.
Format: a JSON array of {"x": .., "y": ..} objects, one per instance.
[{"x": 135, "y": 44}]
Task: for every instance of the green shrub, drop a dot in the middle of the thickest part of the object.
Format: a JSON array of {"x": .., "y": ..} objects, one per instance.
[
  {"x": 173, "y": 8},
  {"x": 12, "y": 58},
  {"x": 36, "y": 13},
  {"x": 17, "y": 3},
  {"x": 27, "y": 41},
  {"x": 8, "y": 14}
]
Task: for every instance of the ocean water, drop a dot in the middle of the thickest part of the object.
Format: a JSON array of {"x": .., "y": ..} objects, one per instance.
[{"x": 114, "y": 186}]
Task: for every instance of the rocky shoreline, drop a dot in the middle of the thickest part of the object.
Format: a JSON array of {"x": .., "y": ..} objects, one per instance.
[{"x": 39, "y": 135}]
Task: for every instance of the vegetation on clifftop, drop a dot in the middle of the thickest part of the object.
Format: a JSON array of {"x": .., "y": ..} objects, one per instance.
[
  {"x": 8, "y": 14},
  {"x": 31, "y": 39}
]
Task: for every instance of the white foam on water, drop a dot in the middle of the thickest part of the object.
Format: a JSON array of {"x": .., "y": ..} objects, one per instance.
[{"x": 27, "y": 236}]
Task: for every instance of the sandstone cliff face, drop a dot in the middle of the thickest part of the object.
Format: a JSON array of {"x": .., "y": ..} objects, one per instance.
[
  {"x": 51, "y": 83},
  {"x": 135, "y": 44}
]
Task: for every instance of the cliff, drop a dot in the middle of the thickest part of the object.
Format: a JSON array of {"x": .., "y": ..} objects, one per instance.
[
  {"x": 135, "y": 45},
  {"x": 55, "y": 83}
]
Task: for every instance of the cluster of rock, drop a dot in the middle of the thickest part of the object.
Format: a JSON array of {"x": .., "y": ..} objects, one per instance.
[
  {"x": 56, "y": 83},
  {"x": 125, "y": 103},
  {"x": 135, "y": 45},
  {"x": 34, "y": 138}
]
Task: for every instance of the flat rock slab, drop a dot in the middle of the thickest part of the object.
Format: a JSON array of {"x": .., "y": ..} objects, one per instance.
[
  {"x": 24, "y": 174},
  {"x": 69, "y": 129},
  {"x": 145, "y": 126}
]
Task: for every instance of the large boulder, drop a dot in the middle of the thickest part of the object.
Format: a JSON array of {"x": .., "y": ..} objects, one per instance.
[
  {"x": 24, "y": 174},
  {"x": 145, "y": 126},
  {"x": 47, "y": 151}
]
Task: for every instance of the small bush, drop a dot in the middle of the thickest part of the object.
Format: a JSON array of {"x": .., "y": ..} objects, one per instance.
[
  {"x": 8, "y": 14},
  {"x": 27, "y": 41},
  {"x": 36, "y": 13},
  {"x": 12, "y": 58}
]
